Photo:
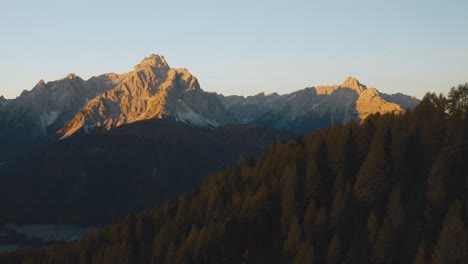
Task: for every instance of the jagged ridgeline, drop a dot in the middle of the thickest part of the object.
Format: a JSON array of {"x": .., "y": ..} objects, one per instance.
[
  {"x": 390, "y": 190},
  {"x": 153, "y": 90}
]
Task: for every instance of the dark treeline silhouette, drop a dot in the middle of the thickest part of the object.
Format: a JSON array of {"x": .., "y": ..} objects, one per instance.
[{"x": 393, "y": 189}]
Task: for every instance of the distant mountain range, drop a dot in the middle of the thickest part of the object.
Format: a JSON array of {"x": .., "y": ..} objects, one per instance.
[
  {"x": 48, "y": 106},
  {"x": 35, "y": 116},
  {"x": 155, "y": 90},
  {"x": 317, "y": 107}
]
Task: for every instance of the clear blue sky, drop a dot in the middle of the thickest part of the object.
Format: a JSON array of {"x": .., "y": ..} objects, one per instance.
[{"x": 240, "y": 47}]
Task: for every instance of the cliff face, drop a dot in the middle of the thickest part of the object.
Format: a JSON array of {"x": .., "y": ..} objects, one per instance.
[
  {"x": 370, "y": 102},
  {"x": 316, "y": 107},
  {"x": 152, "y": 90},
  {"x": 48, "y": 106}
]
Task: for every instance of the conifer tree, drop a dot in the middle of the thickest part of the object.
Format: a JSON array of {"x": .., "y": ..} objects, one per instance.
[
  {"x": 335, "y": 250},
  {"x": 293, "y": 239},
  {"x": 374, "y": 176},
  {"x": 384, "y": 247},
  {"x": 421, "y": 254},
  {"x": 452, "y": 243},
  {"x": 305, "y": 254}
]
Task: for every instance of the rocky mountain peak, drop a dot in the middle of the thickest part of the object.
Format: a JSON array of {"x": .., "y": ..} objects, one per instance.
[
  {"x": 151, "y": 90},
  {"x": 3, "y": 101},
  {"x": 370, "y": 101},
  {"x": 153, "y": 61},
  {"x": 71, "y": 76},
  {"x": 354, "y": 84},
  {"x": 40, "y": 83},
  {"x": 189, "y": 82}
]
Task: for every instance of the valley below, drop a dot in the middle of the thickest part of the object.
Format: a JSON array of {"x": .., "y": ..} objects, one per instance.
[{"x": 14, "y": 237}]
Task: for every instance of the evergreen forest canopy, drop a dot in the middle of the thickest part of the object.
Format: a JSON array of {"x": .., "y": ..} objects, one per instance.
[
  {"x": 393, "y": 189},
  {"x": 97, "y": 178}
]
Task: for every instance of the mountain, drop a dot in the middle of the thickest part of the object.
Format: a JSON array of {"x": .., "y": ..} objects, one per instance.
[
  {"x": 93, "y": 179},
  {"x": 405, "y": 101},
  {"x": 152, "y": 90},
  {"x": 155, "y": 90},
  {"x": 392, "y": 189},
  {"x": 316, "y": 107},
  {"x": 36, "y": 115},
  {"x": 50, "y": 105}
]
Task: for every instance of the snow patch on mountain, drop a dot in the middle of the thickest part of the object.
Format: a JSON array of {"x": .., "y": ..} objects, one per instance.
[
  {"x": 48, "y": 119},
  {"x": 190, "y": 117}
]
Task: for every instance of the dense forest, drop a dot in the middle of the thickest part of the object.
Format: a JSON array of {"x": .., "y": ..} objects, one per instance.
[
  {"x": 95, "y": 179},
  {"x": 391, "y": 189}
]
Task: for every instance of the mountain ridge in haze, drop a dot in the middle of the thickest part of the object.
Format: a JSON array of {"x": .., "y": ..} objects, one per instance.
[{"x": 315, "y": 107}]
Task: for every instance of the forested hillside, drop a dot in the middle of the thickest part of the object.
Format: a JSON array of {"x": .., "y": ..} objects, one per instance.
[
  {"x": 393, "y": 189},
  {"x": 95, "y": 179}
]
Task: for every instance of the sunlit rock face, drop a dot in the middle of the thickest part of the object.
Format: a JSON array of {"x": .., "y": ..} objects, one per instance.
[
  {"x": 151, "y": 90},
  {"x": 154, "y": 90},
  {"x": 48, "y": 106},
  {"x": 34, "y": 117},
  {"x": 316, "y": 107},
  {"x": 370, "y": 102}
]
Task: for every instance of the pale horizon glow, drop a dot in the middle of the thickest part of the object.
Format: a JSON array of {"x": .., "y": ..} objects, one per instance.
[{"x": 241, "y": 47}]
